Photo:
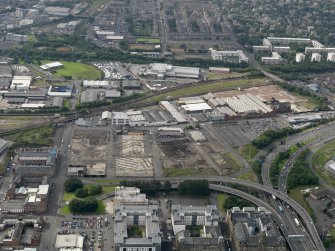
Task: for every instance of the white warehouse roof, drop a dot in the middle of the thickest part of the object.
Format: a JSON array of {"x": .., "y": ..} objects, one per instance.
[
  {"x": 70, "y": 242},
  {"x": 197, "y": 107},
  {"x": 51, "y": 65}
]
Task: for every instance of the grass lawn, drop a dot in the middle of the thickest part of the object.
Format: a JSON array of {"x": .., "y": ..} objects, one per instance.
[
  {"x": 148, "y": 40},
  {"x": 65, "y": 210},
  {"x": 105, "y": 189},
  {"x": 36, "y": 137},
  {"x": 296, "y": 195},
  {"x": 77, "y": 71},
  {"x": 175, "y": 172},
  {"x": 248, "y": 151},
  {"x": 250, "y": 175},
  {"x": 66, "y": 103},
  {"x": 221, "y": 200},
  {"x": 320, "y": 158},
  {"x": 205, "y": 88}
]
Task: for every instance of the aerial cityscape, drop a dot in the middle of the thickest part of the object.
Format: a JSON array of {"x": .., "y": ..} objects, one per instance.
[{"x": 167, "y": 125}]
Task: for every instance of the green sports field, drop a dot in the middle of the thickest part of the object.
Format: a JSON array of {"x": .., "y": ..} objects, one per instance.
[
  {"x": 148, "y": 40},
  {"x": 78, "y": 71}
]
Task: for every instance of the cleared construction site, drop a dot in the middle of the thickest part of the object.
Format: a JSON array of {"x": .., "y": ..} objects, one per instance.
[
  {"x": 132, "y": 157},
  {"x": 88, "y": 150}
]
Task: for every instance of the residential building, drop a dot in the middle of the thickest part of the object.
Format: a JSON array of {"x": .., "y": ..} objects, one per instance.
[
  {"x": 5, "y": 71},
  {"x": 316, "y": 57},
  {"x": 12, "y": 230},
  {"x": 229, "y": 56},
  {"x": 299, "y": 57},
  {"x": 183, "y": 216},
  {"x": 331, "y": 56},
  {"x": 128, "y": 217},
  {"x": 275, "y": 59},
  {"x": 254, "y": 230}
]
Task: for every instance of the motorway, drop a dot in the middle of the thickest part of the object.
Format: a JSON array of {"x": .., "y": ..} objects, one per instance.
[{"x": 317, "y": 136}]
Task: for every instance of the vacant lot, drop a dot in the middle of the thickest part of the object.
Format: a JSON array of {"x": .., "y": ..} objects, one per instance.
[{"x": 42, "y": 136}]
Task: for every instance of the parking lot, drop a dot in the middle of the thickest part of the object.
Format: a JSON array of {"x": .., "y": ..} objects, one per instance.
[{"x": 97, "y": 231}]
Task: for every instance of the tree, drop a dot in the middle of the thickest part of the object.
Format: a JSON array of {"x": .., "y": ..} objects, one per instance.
[
  {"x": 94, "y": 190},
  {"x": 81, "y": 193},
  {"x": 72, "y": 184},
  {"x": 83, "y": 206},
  {"x": 194, "y": 187},
  {"x": 167, "y": 186}
]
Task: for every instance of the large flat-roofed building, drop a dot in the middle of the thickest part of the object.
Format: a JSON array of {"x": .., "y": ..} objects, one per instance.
[
  {"x": 129, "y": 196},
  {"x": 174, "y": 132},
  {"x": 120, "y": 119},
  {"x": 96, "y": 83},
  {"x": 34, "y": 95},
  {"x": 254, "y": 230},
  {"x": 60, "y": 91},
  {"x": 229, "y": 56},
  {"x": 165, "y": 70},
  {"x": 182, "y": 216},
  {"x": 57, "y": 11},
  {"x": 128, "y": 217},
  {"x": 16, "y": 38},
  {"x": 198, "y": 107},
  {"x": 177, "y": 116},
  {"x": 21, "y": 82},
  {"x": 69, "y": 242}
]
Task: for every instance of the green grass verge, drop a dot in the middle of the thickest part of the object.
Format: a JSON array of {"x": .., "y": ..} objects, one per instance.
[
  {"x": 210, "y": 87},
  {"x": 248, "y": 151},
  {"x": 250, "y": 175},
  {"x": 77, "y": 71},
  {"x": 221, "y": 198},
  {"x": 296, "y": 195},
  {"x": 320, "y": 158},
  {"x": 174, "y": 172}
]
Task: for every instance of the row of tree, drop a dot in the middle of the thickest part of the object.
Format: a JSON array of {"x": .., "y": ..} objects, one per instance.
[
  {"x": 301, "y": 174},
  {"x": 269, "y": 136}
]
